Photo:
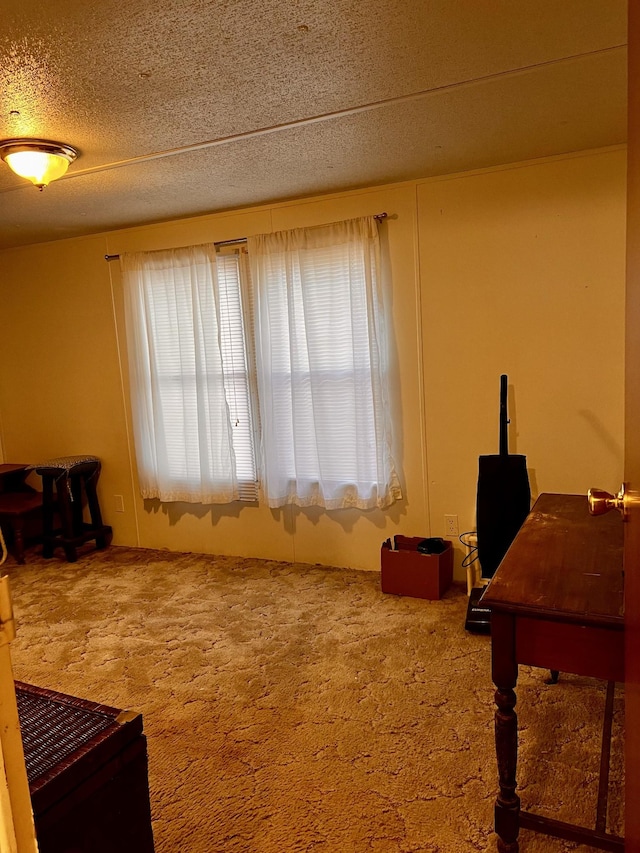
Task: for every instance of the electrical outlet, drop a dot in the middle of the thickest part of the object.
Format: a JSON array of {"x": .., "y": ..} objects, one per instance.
[
  {"x": 450, "y": 526},
  {"x": 118, "y": 502}
]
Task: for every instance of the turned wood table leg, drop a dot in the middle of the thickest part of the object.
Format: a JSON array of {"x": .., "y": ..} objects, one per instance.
[
  {"x": 507, "y": 808},
  {"x": 505, "y": 676}
]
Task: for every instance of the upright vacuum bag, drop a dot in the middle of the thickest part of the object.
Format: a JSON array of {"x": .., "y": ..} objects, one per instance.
[
  {"x": 503, "y": 499},
  {"x": 503, "y": 502}
]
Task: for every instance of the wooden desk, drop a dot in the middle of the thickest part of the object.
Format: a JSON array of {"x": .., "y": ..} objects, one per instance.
[{"x": 556, "y": 602}]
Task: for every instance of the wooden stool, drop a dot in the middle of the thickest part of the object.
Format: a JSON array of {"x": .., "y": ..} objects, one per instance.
[{"x": 71, "y": 475}]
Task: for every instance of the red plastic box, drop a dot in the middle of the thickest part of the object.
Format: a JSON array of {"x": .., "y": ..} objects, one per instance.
[{"x": 406, "y": 571}]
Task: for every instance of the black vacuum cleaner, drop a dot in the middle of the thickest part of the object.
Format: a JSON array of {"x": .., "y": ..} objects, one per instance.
[{"x": 503, "y": 502}]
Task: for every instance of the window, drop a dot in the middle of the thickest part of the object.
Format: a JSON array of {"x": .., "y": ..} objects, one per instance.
[
  {"x": 321, "y": 365},
  {"x": 189, "y": 383},
  {"x": 278, "y": 376},
  {"x": 231, "y": 270}
]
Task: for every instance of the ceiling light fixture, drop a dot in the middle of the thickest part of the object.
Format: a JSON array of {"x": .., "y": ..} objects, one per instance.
[{"x": 38, "y": 160}]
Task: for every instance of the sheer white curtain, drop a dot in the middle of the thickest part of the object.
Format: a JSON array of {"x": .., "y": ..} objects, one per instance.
[
  {"x": 321, "y": 357},
  {"x": 182, "y": 423}
]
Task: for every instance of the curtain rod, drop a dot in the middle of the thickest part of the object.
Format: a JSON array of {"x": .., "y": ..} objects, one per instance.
[{"x": 378, "y": 216}]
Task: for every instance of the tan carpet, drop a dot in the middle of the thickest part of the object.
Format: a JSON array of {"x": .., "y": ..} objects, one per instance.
[{"x": 297, "y": 708}]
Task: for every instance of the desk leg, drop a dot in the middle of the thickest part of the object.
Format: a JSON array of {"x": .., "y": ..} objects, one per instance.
[{"x": 505, "y": 675}]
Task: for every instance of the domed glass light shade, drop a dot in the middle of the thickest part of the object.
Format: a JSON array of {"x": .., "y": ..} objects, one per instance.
[{"x": 37, "y": 160}]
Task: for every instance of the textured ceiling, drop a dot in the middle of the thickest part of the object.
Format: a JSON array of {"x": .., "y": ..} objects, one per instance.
[{"x": 183, "y": 107}]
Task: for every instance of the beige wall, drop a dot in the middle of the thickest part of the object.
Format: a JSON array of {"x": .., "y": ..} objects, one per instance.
[
  {"x": 519, "y": 270},
  {"x": 523, "y": 273}
]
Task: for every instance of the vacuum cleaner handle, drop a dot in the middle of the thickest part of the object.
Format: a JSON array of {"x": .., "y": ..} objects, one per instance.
[{"x": 504, "y": 440}]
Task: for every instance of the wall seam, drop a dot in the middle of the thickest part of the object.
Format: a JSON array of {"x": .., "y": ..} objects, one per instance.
[
  {"x": 124, "y": 407},
  {"x": 422, "y": 403}
]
